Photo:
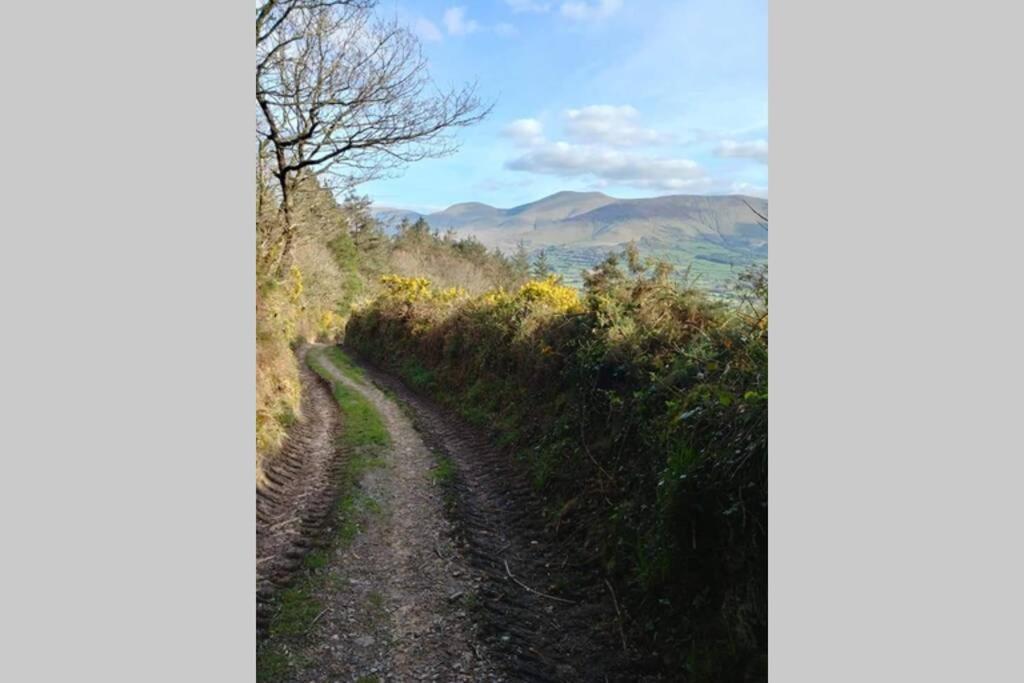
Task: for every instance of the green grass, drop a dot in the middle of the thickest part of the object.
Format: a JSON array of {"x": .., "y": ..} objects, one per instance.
[
  {"x": 345, "y": 364},
  {"x": 271, "y": 664},
  {"x": 364, "y": 439},
  {"x": 418, "y": 376},
  {"x": 317, "y": 559},
  {"x": 363, "y": 427},
  {"x": 298, "y": 608},
  {"x": 444, "y": 471}
]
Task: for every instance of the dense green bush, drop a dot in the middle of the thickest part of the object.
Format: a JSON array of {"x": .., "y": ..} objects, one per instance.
[{"x": 640, "y": 409}]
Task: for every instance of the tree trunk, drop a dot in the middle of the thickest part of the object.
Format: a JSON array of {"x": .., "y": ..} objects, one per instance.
[{"x": 289, "y": 228}]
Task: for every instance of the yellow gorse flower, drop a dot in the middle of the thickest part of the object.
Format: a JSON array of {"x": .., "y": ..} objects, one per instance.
[
  {"x": 327, "y": 320},
  {"x": 406, "y": 288},
  {"x": 450, "y": 294},
  {"x": 496, "y": 297},
  {"x": 295, "y": 285},
  {"x": 410, "y": 289},
  {"x": 550, "y": 293}
]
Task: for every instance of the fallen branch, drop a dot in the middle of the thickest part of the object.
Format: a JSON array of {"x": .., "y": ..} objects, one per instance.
[{"x": 523, "y": 585}]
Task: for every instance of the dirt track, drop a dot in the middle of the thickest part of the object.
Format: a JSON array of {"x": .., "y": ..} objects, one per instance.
[{"x": 452, "y": 581}]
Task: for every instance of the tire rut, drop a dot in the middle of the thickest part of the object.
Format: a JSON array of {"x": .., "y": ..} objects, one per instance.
[
  {"x": 292, "y": 506},
  {"x": 543, "y": 609},
  {"x": 393, "y": 597}
]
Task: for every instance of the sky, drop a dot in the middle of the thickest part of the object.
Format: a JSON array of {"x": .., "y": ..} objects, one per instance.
[{"x": 633, "y": 98}]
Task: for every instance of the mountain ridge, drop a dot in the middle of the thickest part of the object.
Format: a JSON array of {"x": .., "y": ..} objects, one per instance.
[{"x": 714, "y": 234}]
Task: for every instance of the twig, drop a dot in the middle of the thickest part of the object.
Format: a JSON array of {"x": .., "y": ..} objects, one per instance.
[
  {"x": 285, "y": 522},
  {"x": 758, "y": 214},
  {"x": 615, "y": 602},
  {"x": 316, "y": 619},
  {"x": 523, "y": 585}
]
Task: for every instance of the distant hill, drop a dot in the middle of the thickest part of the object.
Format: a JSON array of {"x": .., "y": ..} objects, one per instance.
[
  {"x": 714, "y": 236},
  {"x": 391, "y": 217}
]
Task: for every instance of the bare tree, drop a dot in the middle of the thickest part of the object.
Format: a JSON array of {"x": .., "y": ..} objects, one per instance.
[
  {"x": 344, "y": 94},
  {"x": 272, "y": 13}
]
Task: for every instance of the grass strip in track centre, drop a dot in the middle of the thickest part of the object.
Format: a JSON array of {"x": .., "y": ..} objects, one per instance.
[
  {"x": 363, "y": 427},
  {"x": 363, "y": 440},
  {"x": 344, "y": 364}
]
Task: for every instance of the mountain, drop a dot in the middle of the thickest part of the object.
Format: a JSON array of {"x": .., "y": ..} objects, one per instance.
[
  {"x": 391, "y": 217},
  {"x": 713, "y": 236}
]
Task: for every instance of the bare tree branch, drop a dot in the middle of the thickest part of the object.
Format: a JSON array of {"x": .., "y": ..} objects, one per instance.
[
  {"x": 272, "y": 13},
  {"x": 764, "y": 219},
  {"x": 342, "y": 93}
]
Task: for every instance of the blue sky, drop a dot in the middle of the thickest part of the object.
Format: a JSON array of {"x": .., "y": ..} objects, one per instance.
[{"x": 633, "y": 98}]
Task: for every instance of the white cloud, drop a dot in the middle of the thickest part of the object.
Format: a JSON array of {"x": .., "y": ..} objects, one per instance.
[
  {"x": 604, "y": 147},
  {"x": 528, "y": 6},
  {"x": 505, "y": 30},
  {"x": 610, "y": 124},
  {"x": 749, "y": 189},
  {"x": 525, "y": 131},
  {"x": 580, "y": 10},
  {"x": 427, "y": 30},
  {"x": 754, "y": 149},
  {"x": 614, "y": 166},
  {"x": 456, "y": 22}
]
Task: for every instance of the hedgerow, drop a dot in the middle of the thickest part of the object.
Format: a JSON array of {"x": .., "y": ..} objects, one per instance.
[{"x": 639, "y": 408}]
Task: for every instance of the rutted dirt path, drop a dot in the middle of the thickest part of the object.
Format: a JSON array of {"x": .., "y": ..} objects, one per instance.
[
  {"x": 393, "y": 608},
  {"x": 545, "y": 611},
  {"x": 454, "y": 580}
]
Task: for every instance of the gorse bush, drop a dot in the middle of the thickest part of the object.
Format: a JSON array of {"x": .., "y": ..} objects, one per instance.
[
  {"x": 550, "y": 293},
  {"x": 639, "y": 408}
]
